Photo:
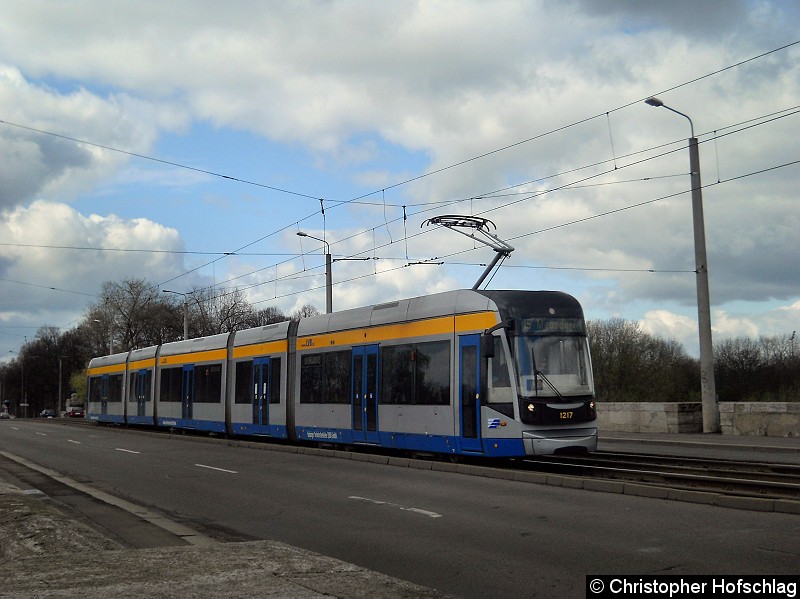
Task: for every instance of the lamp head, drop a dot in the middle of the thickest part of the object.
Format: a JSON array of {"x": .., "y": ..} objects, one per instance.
[{"x": 654, "y": 102}]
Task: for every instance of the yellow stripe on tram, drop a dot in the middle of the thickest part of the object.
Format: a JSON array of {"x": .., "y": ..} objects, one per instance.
[
  {"x": 261, "y": 349},
  {"x": 423, "y": 328},
  {"x": 212, "y": 355}
]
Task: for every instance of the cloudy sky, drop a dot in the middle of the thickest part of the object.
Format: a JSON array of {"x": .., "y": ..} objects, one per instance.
[{"x": 187, "y": 142}]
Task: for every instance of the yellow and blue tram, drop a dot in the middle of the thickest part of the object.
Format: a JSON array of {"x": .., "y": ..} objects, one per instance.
[{"x": 467, "y": 372}]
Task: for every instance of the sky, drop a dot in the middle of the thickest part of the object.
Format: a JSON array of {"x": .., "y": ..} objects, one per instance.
[{"x": 187, "y": 142}]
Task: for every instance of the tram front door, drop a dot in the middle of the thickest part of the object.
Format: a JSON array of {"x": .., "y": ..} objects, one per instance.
[{"x": 469, "y": 375}]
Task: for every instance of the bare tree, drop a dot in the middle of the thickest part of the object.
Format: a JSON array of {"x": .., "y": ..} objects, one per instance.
[
  {"x": 125, "y": 314},
  {"x": 216, "y": 311},
  {"x": 268, "y": 316},
  {"x": 762, "y": 370},
  {"x": 632, "y": 365},
  {"x": 305, "y": 312}
]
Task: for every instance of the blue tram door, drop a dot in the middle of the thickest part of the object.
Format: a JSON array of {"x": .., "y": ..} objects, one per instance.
[
  {"x": 469, "y": 376},
  {"x": 104, "y": 396},
  {"x": 365, "y": 394},
  {"x": 261, "y": 389},
  {"x": 188, "y": 392},
  {"x": 142, "y": 390}
]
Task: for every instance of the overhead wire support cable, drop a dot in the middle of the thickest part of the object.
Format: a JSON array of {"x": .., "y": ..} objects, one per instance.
[
  {"x": 567, "y": 186},
  {"x": 158, "y": 160},
  {"x": 355, "y": 200},
  {"x": 440, "y": 262}
]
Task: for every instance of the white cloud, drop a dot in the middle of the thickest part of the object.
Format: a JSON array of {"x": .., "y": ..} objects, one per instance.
[
  {"x": 37, "y": 165},
  {"x": 363, "y": 86},
  {"x": 74, "y": 274},
  {"x": 669, "y": 325},
  {"x": 727, "y": 325}
]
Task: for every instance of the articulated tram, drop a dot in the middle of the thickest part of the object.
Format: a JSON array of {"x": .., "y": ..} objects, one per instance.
[{"x": 467, "y": 372}]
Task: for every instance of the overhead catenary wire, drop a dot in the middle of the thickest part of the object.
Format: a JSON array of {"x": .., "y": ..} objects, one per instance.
[
  {"x": 354, "y": 200},
  {"x": 440, "y": 260},
  {"x": 736, "y": 128},
  {"x": 575, "y": 184},
  {"x": 483, "y": 196},
  {"x": 566, "y": 186}
]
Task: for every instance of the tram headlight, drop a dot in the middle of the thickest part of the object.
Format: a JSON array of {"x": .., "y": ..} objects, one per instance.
[{"x": 532, "y": 408}]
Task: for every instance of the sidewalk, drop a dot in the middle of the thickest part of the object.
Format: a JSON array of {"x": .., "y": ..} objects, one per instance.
[{"x": 43, "y": 553}]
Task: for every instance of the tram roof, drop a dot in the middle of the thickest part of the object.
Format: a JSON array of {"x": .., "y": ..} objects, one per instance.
[{"x": 462, "y": 301}]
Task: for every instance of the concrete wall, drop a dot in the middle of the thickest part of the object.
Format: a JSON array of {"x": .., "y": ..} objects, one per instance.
[
  {"x": 768, "y": 419},
  {"x": 650, "y": 417}
]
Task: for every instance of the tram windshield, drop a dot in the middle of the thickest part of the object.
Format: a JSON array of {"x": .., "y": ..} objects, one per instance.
[{"x": 553, "y": 365}]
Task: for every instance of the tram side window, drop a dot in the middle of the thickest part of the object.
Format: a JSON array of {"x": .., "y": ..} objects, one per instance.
[
  {"x": 433, "y": 373},
  {"x": 499, "y": 394},
  {"x": 312, "y": 379},
  {"x": 416, "y": 374},
  {"x": 208, "y": 383},
  {"x": 325, "y": 378},
  {"x": 115, "y": 388},
  {"x": 275, "y": 380},
  {"x": 244, "y": 382},
  {"x": 171, "y": 384},
  {"x": 96, "y": 389},
  {"x": 397, "y": 375},
  {"x": 500, "y": 387}
]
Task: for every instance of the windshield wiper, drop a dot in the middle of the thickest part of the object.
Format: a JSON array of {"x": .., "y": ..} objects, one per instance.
[{"x": 539, "y": 373}]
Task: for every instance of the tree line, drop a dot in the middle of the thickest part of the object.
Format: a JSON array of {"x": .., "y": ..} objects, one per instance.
[
  {"x": 130, "y": 314},
  {"x": 629, "y": 364},
  {"x": 632, "y": 365}
]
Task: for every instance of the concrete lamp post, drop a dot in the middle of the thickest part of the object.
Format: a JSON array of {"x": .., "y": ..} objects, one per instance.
[
  {"x": 707, "y": 384},
  {"x": 185, "y": 312},
  {"x": 328, "y": 273}
]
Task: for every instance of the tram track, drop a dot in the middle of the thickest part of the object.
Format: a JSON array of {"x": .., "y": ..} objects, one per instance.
[{"x": 729, "y": 477}]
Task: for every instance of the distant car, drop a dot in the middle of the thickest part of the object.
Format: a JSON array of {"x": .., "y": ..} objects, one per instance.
[
  {"x": 5, "y": 416},
  {"x": 48, "y": 414},
  {"x": 75, "y": 412}
]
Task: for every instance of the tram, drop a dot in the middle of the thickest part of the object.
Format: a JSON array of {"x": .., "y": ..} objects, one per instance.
[{"x": 466, "y": 372}]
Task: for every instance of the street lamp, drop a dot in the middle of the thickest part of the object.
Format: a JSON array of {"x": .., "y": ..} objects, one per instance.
[
  {"x": 185, "y": 312},
  {"x": 23, "y": 402},
  {"x": 328, "y": 273},
  {"x": 110, "y": 335},
  {"x": 708, "y": 391},
  {"x": 58, "y": 398}
]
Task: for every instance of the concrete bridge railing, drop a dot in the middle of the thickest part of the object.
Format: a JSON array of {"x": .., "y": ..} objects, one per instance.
[{"x": 764, "y": 419}]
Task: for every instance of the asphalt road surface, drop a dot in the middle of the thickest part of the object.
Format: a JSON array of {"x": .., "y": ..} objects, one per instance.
[{"x": 465, "y": 535}]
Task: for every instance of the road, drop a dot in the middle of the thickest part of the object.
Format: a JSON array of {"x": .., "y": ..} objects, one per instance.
[{"x": 469, "y": 536}]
